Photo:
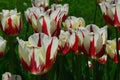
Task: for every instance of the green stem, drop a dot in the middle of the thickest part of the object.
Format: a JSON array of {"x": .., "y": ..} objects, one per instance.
[{"x": 117, "y": 72}]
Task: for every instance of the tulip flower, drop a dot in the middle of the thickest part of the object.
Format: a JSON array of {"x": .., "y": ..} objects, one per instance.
[
  {"x": 94, "y": 42},
  {"x": 60, "y": 10},
  {"x": 9, "y": 76},
  {"x": 2, "y": 46},
  {"x": 47, "y": 25},
  {"x": 10, "y": 22},
  {"x": 33, "y": 12},
  {"x": 111, "y": 50},
  {"x": 40, "y": 3},
  {"x": 110, "y": 10},
  {"x": 38, "y": 54},
  {"x": 32, "y": 16},
  {"x": 64, "y": 45},
  {"x": 73, "y": 22}
]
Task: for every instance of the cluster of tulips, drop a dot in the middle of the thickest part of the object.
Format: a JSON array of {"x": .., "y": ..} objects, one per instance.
[{"x": 57, "y": 33}]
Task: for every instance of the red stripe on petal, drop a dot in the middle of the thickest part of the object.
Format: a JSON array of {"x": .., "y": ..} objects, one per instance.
[
  {"x": 33, "y": 66},
  {"x": 65, "y": 49},
  {"x": 44, "y": 27},
  {"x": 57, "y": 30},
  {"x": 92, "y": 49},
  {"x": 101, "y": 52},
  {"x": 1, "y": 54},
  {"x": 39, "y": 41},
  {"x": 102, "y": 60},
  {"x": 91, "y": 29},
  {"x": 108, "y": 19},
  {"x": 64, "y": 17},
  {"x": 49, "y": 61},
  {"x": 115, "y": 59},
  {"x": 36, "y": 17},
  {"x": 116, "y": 21},
  {"x": 75, "y": 46},
  {"x": 12, "y": 30}
]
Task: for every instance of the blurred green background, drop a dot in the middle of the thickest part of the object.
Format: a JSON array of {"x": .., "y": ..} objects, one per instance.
[{"x": 66, "y": 67}]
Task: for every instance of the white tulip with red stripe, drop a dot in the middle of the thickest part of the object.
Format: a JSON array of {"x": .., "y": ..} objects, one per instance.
[
  {"x": 33, "y": 11},
  {"x": 94, "y": 41},
  {"x": 38, "y": 53},
  {"x": 110, "y": 11},
  {"x": 10, "y": 22},
  {"x": 32, "y": 15},
  {"x": 47, "y": 25},
  {"x": 41, "y": 3}
]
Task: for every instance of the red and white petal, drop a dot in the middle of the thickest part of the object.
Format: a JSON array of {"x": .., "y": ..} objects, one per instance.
[
  {"x": 92, "y": 44},
  {"x": 35, "y": 39},
  {"x": 117, "y": 16},
  {"x": 45, "y": 22},
  {"x": 6, "y": 76},
  {"x": 50, "y": 45},
  {"x": 102, "y": 59},
  {"x": 103, "y": 33},
  {"x": 92, "y": 28},
  {"x": 73, "y": 41},
  {"x": 64, "y": 46},
  {"x": 2, "y": 46},
  {"x": 32, "y": 58},
  {"x": 90, "y": 65},
  {"x": 111, "y": 50}
]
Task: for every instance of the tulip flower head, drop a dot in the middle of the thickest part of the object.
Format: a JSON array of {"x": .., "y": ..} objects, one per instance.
[
  {"x": 59, "y": 11},
  {"x": 2, "y": 46},
  {"x": 10, "y": 22},
  {"x": 40, "y": 3},
  {"x": 73, "y": 22},
  {"x": 32, "y": 15},
  {"x": 47, "y": 25},
  {"x": 38, "y": 53},
  {"x": 94, "y": 42}
]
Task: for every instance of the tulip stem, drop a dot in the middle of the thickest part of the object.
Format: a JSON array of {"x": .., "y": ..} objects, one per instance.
[
  {"x": 117, "y": 43},
  {"x": 117, "y": 72}
]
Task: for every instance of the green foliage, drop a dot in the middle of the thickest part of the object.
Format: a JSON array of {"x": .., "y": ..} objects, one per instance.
[{"x": 67, "y": 67}]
